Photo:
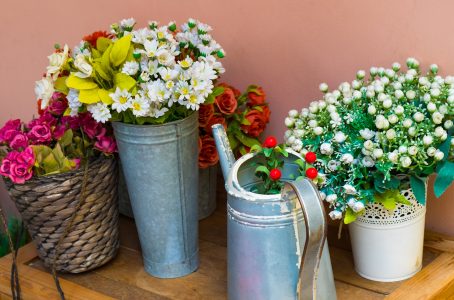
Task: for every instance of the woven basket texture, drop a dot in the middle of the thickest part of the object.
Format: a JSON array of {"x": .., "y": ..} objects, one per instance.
[{"x": 47, "y": 203}]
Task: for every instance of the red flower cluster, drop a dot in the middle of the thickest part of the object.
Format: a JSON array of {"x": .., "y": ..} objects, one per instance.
[
  {"x": 247, "y": 113},
  {"x": 92, "y": 38}
]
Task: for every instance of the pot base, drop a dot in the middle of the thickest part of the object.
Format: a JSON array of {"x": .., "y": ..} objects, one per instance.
[
  {"x": 164, "y": 271},
  {"x": 387, "y": 279}
]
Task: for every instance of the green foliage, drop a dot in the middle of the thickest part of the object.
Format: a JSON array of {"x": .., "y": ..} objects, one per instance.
[
  {"x": 419, "y": 187},
  {"x": 50, "y": 161},
  {"x": 390, "y": 198},
  {"x": 444, "y": 179}
]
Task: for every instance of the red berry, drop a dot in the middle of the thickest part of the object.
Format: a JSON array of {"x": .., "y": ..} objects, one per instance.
[
  {"x": 311, "y": 157},
  {"x": 275, "y": 174},
  {"x": 270, "y": 142},
  {"x": 311, "y": 173}
]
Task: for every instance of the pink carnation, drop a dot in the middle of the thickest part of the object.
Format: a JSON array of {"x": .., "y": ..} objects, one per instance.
[
  {"x": 91, "y": 128},
  {"x": 45, "y": 118},
  {"x": 40, "y": 133},
  {"x": 18, "y": 166},
  {"x": 106, "y": 144},
  {"x": 20, "y": 140},
  {"x": 9, "y": 131},
  {"x": 58, "y": 104}
]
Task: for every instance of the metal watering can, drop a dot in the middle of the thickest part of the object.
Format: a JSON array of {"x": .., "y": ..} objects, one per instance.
[{"x": 276, "y": 244}]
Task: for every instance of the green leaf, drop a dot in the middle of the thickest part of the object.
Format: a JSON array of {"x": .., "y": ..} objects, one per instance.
[
  {"x": 256, "y": 148},
  {"x": 232, "y": 141},
  {"x": 217, "y": 91},
  {"x": 245, "y": 140},
  {"x": 300, "y": 163},
  {"x": 103, "y": 43},
  {"x": 60, "y": 84},
  {"x": 77, "y": 83},
  {"x": 124, "y": 81},
  {"x": 267, "y": 151},
  {"x": 444, "y": 178},
  {"x": 262, "y": 169},
  {"x": 419, "y": 187},
  {"x": 120, "y": 50},
  {"x": 99, "y": 69},
  {"x": 245, "y": 121},
  {"x": 67, "y": 138},
  {"x": 105, "y": 60},
  {"x": 350, "y": 216}
]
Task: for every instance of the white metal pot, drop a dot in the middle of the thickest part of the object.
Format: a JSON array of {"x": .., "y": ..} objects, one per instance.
[{"x": 388, "y": 246}]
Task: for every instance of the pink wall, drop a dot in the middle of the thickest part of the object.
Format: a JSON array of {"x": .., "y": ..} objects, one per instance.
[{"x": 288, "y": 46}]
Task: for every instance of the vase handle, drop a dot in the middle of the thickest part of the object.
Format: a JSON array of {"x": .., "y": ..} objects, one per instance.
[{"x": 316, "y": 231}]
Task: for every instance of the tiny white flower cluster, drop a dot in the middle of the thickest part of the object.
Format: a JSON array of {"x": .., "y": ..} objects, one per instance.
[{"x": 394, "y": 122}]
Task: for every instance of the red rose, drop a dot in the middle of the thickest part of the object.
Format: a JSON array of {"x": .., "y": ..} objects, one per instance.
[
  {"x": 226, "y": 102},
  {"x": 266, "y": 113},
  {"x": 215, "y": 119},
  {"x": 256, "y": 95},
  {"x": 257, "y": 123},
  {"x": 205, "y": 114},
  {"x": 208, "y": 155},
  {"x": 235, "y": 91}
]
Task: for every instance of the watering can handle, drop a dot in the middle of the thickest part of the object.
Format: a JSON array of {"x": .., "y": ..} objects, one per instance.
[{"x": 316, "y": 231}]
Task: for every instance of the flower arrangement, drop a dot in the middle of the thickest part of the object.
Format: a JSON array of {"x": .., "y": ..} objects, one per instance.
[
  {"x": 374, "y": 137},
  {"x": 150, "y": 75},
  {"x": 52, "y": 143},
  {"x": 269, "y": 171},
  {"x": 244, "y": 115}
]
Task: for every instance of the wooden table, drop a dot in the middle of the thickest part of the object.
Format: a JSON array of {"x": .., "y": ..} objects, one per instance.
[{"x": 125, "y": 278}]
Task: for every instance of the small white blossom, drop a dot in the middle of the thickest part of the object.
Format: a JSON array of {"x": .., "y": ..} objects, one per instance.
[
  {"x": 335, "y": 215},
  {"x": 407, "y": 123},
  {"x": 418, "y": 117},
  {"x": 431, "y": 151},
  {"x": 393, "y": 119},
  {"x": 369, "y": 145},
  {"x": 331, "y": 198},
  {"x": 349, "y": 189},
  {"x": 410, "y": 95},
  {"x": 387, "y": 103},
  {"x": 368, "y": 162},
  {"x": 399, "y": 94},
  {"x": 431, "y": 107},
  {"x": 393, "y": 156},
  {"x": 405, "y": 161},
  {"x": 412, "y": 131},
  {"x": 367, "y": 133},
  {"x": 403, "y": 149},
  {"x": 130, "y": 68},
  {"x": 439, "y": 131},
  {"x": 439, "y": 155},
  {"x": 391, "y": 134},
  {"x": 371, "y": 110},
  {"x": 437, "y": 117},
  {"x": 346, "y": 158},
  {"x": 427, "y": 140},
  {"x": 358, "y": 206},
  {"x": 323, "y": 87},
  {"x": 339, "y": 137},
  {"x": 326, "y": 149},
  {"x": 100, "y": 112},
  {"x": 399, "y": 110},
  {"x": 412, "y": 150},
  {"x": 293, "y": 113},
  {"x": 289, "y": 122},
  {"x": 448, "y": 124},
  {"x": 377, "y": 153},
  {"x": 318, "y": 130}
]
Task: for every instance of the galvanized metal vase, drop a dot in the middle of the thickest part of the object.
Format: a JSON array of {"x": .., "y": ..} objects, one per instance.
[
  {"x": 161, "y": 171},
  {"x": 207, "y": 191},
  {"x": 276, "y": 249}
]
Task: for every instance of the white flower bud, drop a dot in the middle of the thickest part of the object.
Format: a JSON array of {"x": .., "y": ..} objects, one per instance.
[
  {"x": 312, "y": 123},
  {"x": 393, "y": 119},
  {"x": 297, "y": 145},
  {"x": 409, "y": 77},
  {"x": 387, "y": 103},
  {"x": 390, "y": 73},
  {"x": 434, "y": 68},
  {"x": 347, "y": 100},
  {"x": 373, "y": 71},
  {"x": 439, "y": 155},
  {"x": 444, "y": 136},
  {"x": 367, "y": 134},
  {"x": 377, "y": 153},
  {"x": 368, "y": 162},
  {"x": 399, "y": 110},
  {"x": 410, "y": 94},
  {"x": 321, "y": 104},
  {"x": 331, "y": 198},
  {"x": 371, "y": 110},
  {"x": 291, "y": 139},
  {"x": 397, "y": 85},
  {"x": 322, "y": 195},
  {"x": 304, "y": 112},
  {"x": 448, "y": 124},
  {"x": 413, "y": 150},
  {"x": 289, "y": 122},
  {"x": 360, "y": 74},
  {"x": 349, "y": 189},
  {"x": 443, "y": 109},
  {"x": 403, "y": 149},
  {"x": 431, "y": 107},
  {"x": 293, "y": 113},
  {"x": 396, "y": 66},
  {"x": 326, "y": 149},
  {"x": 437, "y": 117},
  {"x": 323, "y": 87},
  {"x": 427, "y": 97},
  {"x": 346, "y": 158},
  {"x": 435, "y": 92},
  {"x": 431, "y": 151},
  {"x": 439, "y": 131},
  {"x": 357, "y": 95},
  {"x": 358, "y": 206},
  {"x": 405, "y": 161},
  {"x": 418, "y": 117},
  {"x": 427, "y": 140},
  {"x": 412, "y": 131},
  {"x": 399, "y": 94},
  {"x": 335, "y": 215},
  {"x": 393, "y": 156},
  {"x": 339, "y": 137},
  {"x": 384, "y": 80},
  {"x": 370, "y": 94},
  {"x": 318, "y": 130},
  {"x": 407, "y": 123},
  {"x": 356, "y": 84},
  {"x": 369, "y": 145},
  {"x": 391, "y": 134}
]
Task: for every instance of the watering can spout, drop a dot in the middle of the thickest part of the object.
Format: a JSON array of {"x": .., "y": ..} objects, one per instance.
[{"x": 226, "y": 157}]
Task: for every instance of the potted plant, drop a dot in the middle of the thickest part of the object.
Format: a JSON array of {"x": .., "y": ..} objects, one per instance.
[
  {"x": 61, "y": 174},
  {"x": 377, "y": 140},
  {"x": 244, "y": 115},
  {"x": 150, "y": 83}
]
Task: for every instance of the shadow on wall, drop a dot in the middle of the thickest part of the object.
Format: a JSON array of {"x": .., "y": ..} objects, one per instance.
[{"x": 9, "y": 209}]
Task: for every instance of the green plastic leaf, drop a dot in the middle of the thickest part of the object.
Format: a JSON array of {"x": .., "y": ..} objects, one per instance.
[
  {"x": 99, "y": 69},
  {"x": 267, "y": 151},
  {"x": 350, "y": 216},
  {"x": 300, "y": 163},
  {"x": 105, "y": 60},
  {"x": 67, "y": 138},
  {"x": 124, "y": 81},
  {"x": 104, "y": 96},
  {"x": 390, "y": 198},
  {"x": 210, "y": 99},
  {"x": 262, "y": 169},
  {"x": 245, "y": 122},
  {"x": 256, "y": 148},
  {"x": 232, "y": 141},
  {"x": 60, "y": 84},
  {"x": 245, "y": 140},
  {"x": 217, "y": 91},
  {"x": 77, "y": 83},
  {"x": 89, "y": 96},
  {"x": 103, "y": 43},
  {"x": 120, "y": 50},
  {"x": 419, "y": 187},
  {"x": 444, "y": 178}
]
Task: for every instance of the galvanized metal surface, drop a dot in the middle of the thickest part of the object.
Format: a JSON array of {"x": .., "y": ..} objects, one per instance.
[
  {"x": 266, "y": 234},
  {"x": 124, "y": 203},
  {"x": 161, "y": 172},
  {"x": 207, "y": 191}
]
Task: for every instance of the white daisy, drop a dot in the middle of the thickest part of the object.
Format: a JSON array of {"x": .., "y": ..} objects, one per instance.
[
  {"x": 100, "y": 112},
  {"x": 140, "y": 106},
  {"x": 151, "y": 47},
  {"x": 121, "y": 100},
  {"x": 157, "y": 91},
  {"x": 130, "y": 68},
  {"x": 168, "y": 74},
  {"x": 183, "y": 90},
  {"x": 127, "y": 24}
]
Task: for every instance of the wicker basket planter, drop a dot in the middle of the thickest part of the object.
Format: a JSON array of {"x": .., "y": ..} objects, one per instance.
[{"x": 48, "y": 203}]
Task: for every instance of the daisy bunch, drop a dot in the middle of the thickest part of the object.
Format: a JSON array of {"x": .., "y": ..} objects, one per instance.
[
  {"x": 150, "y": 75},
  {"x": 375, "y": 136}
]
